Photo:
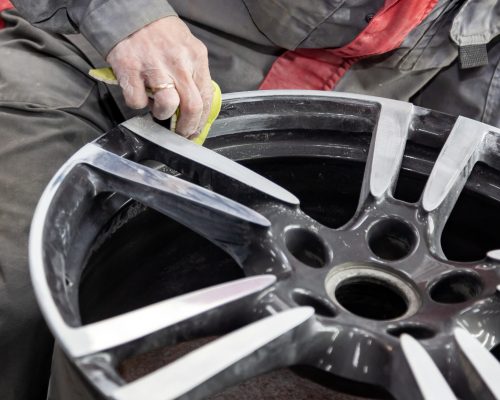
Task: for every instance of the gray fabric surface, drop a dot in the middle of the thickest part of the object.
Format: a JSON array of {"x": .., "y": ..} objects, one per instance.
[
  {"x": 318, "y": 23},
  {"x": 401, "y": 73},
  {"x": 478, "y": 22},
  {"x": 286, "y": 23},
  {"x": 49, "y": 108},
  {"x": 104, "y": 23},
  {"x": 473, "y": 93}
]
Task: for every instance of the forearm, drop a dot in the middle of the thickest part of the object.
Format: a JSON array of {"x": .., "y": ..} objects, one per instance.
[{"x": 103, "y": 22}]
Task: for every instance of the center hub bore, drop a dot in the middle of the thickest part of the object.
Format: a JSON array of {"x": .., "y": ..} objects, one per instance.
[{"x": 371, "y": 292}]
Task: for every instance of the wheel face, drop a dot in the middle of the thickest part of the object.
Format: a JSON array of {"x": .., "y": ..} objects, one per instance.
[{"x": 363, "y": 292}]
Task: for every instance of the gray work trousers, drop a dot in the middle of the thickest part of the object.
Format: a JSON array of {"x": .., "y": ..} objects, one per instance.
[{"x": 49, "y": 108}]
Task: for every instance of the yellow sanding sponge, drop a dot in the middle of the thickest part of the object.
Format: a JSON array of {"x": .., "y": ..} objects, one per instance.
[{"x": 107, "y": 76}]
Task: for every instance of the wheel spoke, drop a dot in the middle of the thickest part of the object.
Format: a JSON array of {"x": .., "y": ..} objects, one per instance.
[
  {"x": 452, "y": 169},
  {"x": 431, "y": 384},
  {"x": 482, "y": 370},
  {"x": 256, "y": 348},
  {"x": 386, "y": 150},
  {"x": 225, "y": 222},
  {"x": 194, "y": 154},
  {"x": 494, "y": 254},
  {"x": 136, "y": 324}
]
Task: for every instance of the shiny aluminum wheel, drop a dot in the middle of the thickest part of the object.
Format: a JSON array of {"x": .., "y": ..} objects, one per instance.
[{"x": 376, "y": 297}]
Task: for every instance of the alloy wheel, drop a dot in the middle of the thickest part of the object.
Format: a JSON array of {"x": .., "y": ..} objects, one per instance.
[{"x": 378, "y": 296}]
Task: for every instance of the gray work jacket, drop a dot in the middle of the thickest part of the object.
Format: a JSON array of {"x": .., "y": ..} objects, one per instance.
[
  {"x": 244, "y": 37},
  {"x": 284, "y": 23},
  {"x": 287, "y": 24}
]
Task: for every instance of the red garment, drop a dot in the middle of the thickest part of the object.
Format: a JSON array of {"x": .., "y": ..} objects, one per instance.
[
  {"x": 322, "y": 68},
  {"x": 4, "y": 5}
]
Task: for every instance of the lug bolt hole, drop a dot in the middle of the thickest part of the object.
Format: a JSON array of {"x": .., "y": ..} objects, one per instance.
[
  {"x": 391, "y": 239},
  {"x": 306, "y": 247},
  {"x": 456, "y": 288},
  {"x": 371, "y": 298},
  {"x": 320, "y": 306},
  {"x": 417, "y": 331}
]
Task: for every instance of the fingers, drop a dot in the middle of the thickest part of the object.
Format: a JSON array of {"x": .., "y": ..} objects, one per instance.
[
  {"x": 165, "y": 100},
  {"x": 204, "y": 83},
  {"x": 133, "y": 89},
  {"x": 165, "y": 103},
  {"x": 195, "y": 91},
  {"x": 191, "y": 107},
  {"x": 162, "y": 52},
  {"x": 193, "y": 94}
]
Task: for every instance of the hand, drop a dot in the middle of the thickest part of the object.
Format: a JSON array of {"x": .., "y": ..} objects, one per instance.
[{"x": 165, "y": 52}]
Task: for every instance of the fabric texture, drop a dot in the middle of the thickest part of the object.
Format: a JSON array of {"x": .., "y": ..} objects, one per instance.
[
  {"x": 319, "y": 23},
  {"x": 475, "y": 92},
  {"x": 4, "y": 5},
  {"x": 49, "y": 108},
  {"x": 473, "y": 55},
  {"x": 321, "y": 69},
  {"x": 477, "y": 22},
  {"x": 104, "y": 23},
  {"x": 403, "y": 72}
]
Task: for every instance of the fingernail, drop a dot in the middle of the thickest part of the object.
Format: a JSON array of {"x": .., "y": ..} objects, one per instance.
[{"x": 194, "y": 135}]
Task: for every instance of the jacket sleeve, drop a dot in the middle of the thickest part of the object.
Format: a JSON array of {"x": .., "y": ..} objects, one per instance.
[{"x": 103, "y": 22}]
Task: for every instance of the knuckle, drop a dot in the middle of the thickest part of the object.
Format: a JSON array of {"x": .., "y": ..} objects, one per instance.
[
  {"x": 201, "y": 49},
  {"x": 199, "y": 53},
  {"x": 179, "y": 61},
  {"x": 127, "y": 85},
  {"x": 126, "y": 63},
  {"x": 207, "y": 97},
  {"x": 193, "y": 107},
  {"x": 152, "y": 74},
  {"x": 136, "y": 102},
  {"x": 166, "y": 105},
  {"x": 171, "y": 103}
]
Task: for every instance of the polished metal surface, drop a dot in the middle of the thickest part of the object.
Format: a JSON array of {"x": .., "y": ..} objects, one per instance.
[
  {"x": 299, "y": 303},
  {"x": 431, "y": 383},
  {"x": 231, "y": 355},
  {"x": 102, "y": 335},
  {"x": 483, "y": 369},
  {"x": 148, "y": 129}
]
